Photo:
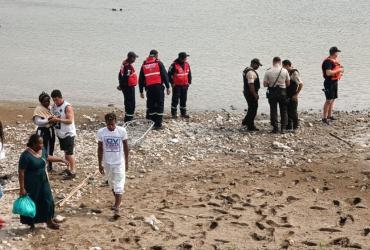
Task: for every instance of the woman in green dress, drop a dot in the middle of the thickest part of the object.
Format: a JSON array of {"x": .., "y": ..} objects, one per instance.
[{"x": 33, "y": 181}]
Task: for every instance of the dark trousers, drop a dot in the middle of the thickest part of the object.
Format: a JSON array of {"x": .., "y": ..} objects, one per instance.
[
  {"x": 155, "y": 103},
  {"x": 252, "y": 110},
  {"x": 179, "y": 93},
  {"x": 293, "y": 121},
  {"x": 278, "y": 99},
  {"x": 48, "y": 136},
  {"x": 129, "y": 102}
]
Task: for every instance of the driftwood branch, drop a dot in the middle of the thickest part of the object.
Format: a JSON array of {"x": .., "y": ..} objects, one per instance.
[
  {"x": 74, "y": 190},
  {"x": 341, "y": 139}
]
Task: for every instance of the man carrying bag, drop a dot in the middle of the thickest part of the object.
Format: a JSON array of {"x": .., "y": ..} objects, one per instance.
[{"x": 277, "y": 80}]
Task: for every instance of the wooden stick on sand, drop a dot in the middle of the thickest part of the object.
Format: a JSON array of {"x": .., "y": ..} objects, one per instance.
[
  {"x": 74, "y": 190},
  {"x": 341, "y": 139}
]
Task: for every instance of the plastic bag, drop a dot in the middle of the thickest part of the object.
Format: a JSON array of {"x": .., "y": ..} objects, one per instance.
[{"x": 24, "y": 206}]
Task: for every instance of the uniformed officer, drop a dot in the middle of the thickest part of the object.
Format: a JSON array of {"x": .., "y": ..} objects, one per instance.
[
  {"x": 180, "y": 78},
  {"x": 251, "y": 86},
  {"x": 128, "y": 79},
  {"x": 153, "y": 75}
]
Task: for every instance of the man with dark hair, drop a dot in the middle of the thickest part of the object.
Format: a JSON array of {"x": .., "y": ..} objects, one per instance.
[
  {"x": 153, "y": 75},
  {"x": 128, "y": 79},
  {"x": 113, "y": 157},
  {"x": 293, "y": 91},
  {"x": 65, "y": 129},
  {"x": 277, "y": 80},
  {"x": 332, "y": 72},
  {"x": 179, "y": 75},
  {"x": 251, "y": 86}
]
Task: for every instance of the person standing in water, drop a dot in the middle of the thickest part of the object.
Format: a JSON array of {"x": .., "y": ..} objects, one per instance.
[{"x": 332, "y": 72}]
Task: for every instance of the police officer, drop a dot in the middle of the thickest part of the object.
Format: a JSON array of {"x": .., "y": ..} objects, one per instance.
[
  {"x": 179, "y": 75},
  {"x": 293, "y": 91},
  {"x": 127, "y": 79},
  {"x": 251, "y": 86},
  {"x": 277, "y": 79},
  {"x": 153, "y": 75},
  {"x": 332, "y": 72}
]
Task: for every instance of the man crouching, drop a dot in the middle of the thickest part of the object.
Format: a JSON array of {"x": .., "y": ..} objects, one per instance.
[{"x": 113, "y": 157}]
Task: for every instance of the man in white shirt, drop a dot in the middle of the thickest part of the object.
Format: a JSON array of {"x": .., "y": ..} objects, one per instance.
[
  {"x": 65, "y": 130},
  {"x": 113, "y": 157},
  {"x": 277, "y": 79}
]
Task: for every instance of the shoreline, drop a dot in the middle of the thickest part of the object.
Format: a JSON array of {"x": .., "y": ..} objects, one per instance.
[{"x": 204, "y": 178}]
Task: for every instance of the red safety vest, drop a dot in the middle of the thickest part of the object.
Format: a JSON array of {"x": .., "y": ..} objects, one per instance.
[
  {"x": 181, "y": 75},
  {"x": 152, "y": 71},
  {"x": 338, "y": 75},
  {"x": 132, "y": 76}
]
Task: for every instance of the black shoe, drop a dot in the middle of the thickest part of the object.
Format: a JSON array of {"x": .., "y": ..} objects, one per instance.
[
  {"x": 174, "y": 116},
  {"x": 244, "y": 123},
  {"x": 326, "y": 121},
  {"x": 253, "y": 129},
  {"x": 282, "y": 131},
  {"x": 289, "y": 127},
  {"x": 69, "y": 177},
  {"x": 275, "y": 131},
  {"x": 186, "y": 116},
  {"x": 332, "y": 118},
  {"x": 158, "y": 127}
]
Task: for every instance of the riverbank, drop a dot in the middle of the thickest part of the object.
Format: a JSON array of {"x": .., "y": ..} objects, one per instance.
[{"x": 205, "y": 178}]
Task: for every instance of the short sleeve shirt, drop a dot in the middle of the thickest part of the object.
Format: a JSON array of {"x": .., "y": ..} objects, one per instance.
[
  {"x": 251, "y": 76},
  {"x": 327, "y": 65},
  {"x": 273, "y": 73},
  {"x": 112, "y": 145}
]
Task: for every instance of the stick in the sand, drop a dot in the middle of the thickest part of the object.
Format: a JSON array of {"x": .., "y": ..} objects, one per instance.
[
  {"x": 11, "y": 189},
  {"x": 341, "y": 139},
  {"x": 74, "y": 190}
]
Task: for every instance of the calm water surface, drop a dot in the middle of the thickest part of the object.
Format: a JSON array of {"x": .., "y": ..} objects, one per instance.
[{"x": 77, "y": 46}]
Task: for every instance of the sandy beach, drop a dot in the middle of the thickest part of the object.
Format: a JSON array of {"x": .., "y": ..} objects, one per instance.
[{"x": 206, "y": 183}]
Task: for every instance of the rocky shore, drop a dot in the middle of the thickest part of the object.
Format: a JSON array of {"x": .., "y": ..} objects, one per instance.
[{"x": 207, "y": 183}]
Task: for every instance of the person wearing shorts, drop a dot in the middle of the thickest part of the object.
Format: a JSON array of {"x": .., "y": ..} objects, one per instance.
[
  {"x": 63, "y": 120},
  {"x": 332, "y": 72},
  {"x": 113, "y": 158}
]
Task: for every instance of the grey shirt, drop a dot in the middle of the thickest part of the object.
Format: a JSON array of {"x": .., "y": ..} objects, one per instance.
[{"x": 271, "y": 75}]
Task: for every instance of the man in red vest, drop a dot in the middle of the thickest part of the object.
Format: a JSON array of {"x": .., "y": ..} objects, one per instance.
[
  {"x": 127, "y": 79},
  {"x": 153, "y": 75},
  {"x": 180, "y": 78},
  {"x": 332, "y": 72}
]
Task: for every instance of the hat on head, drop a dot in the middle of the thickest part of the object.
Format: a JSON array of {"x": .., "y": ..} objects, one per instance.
[
  {"x": 256, "y": 61},
  {"x": 334, "y": 50},
  {"x": 153, "y": 52},
  {"x": 183, "y": 55},
  {"x": 132, "y": 54}
]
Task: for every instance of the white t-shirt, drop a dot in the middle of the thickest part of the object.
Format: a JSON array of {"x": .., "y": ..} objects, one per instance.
[
  {"x": 112, "y": 145},
  {"x": 2, "y": 151}
]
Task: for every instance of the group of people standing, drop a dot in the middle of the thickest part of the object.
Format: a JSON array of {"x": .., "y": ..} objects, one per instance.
[
  {"x": 154, "y": 79},
  {"x": 284, "y": 84}
]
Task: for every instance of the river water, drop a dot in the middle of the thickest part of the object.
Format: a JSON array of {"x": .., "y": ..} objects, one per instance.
[{"x": 78, "y": 45}]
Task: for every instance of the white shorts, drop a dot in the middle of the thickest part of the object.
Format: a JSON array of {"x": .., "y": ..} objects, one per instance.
[{"x": 116, "y": 177}]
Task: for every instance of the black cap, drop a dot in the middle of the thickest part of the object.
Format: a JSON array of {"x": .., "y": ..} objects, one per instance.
[
  {"x": 153, "y": 52},
  {"x": 334, "y": 50},
  {"x": 132, "y": 54},
  {"x": 256, "y": 61},
  {"x": 183, "y": 55}
]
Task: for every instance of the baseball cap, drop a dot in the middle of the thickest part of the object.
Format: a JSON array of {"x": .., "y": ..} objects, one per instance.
[
  {"x": 333, "y": 50},
  {"x": 153, "y": 52},
  {"x": 256, "y": 61},
  {"x": 183, "y": 55},
  {"x": 132, "y": 54}
]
